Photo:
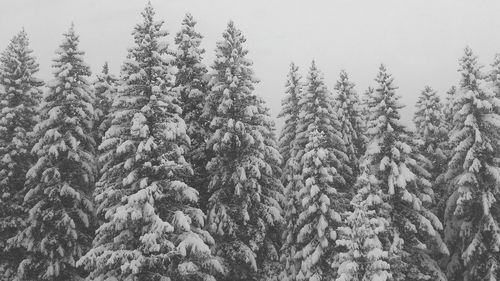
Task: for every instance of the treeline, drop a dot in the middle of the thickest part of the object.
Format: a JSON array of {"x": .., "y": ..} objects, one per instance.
[{"x": 172, "y": 170}]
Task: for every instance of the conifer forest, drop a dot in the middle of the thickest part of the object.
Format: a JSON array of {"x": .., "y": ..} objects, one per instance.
[{"x": 174, "y": 170}]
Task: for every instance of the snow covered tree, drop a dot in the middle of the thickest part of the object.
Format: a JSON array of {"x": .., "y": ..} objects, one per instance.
[
  {"x": 432, "y": 141},
  {"x": 290, "y": 112},
  {"x": 365, "y": 258},
  {"x": 321, "y": 191},
  {"x": 347, "y": 107},
  {"x": 245, "y": 191},
  {"x": 430, "y": 130},
  {"x": 449, "y": 108},
  {"x": 191, "y": 82},
  {"x": 105, "y": 88},
  {"x": 494, "y": 75},
  {"x": 59, "y": 227},
  {"x": 18, "y": 116},
  {"x": 320, "y": 212},
  {"x": 365, "y": 108},
  {"x": 472, "y": 213},
  {"x": 414, "y": 229},
  {"x": 152, "y": 228}
]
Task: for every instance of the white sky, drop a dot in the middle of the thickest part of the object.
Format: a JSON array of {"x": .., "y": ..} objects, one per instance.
[{"x": 419, "y": 41}]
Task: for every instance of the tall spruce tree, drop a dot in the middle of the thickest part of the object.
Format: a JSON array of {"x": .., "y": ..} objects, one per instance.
[
  {"x": 365, "y": 109},
  {"x": 105, "y": 87},
  {"x": 321, "y": 187},
  {"x": 59, "y": 227},
  {"x": 192, "y": 85},
  {"x": 413, "y": 231},
  {"x": 449, "y": 108},
  {"x": 472, "y": 212},
  {"x": 494, "y": 75},
  {"x": 430, "y": 130},
  {"x": 365, "y": 258},
  {"x": 245, "y": 191},
  {"x": 290, "y": 112},
  {"x": 152, "y": 228},
  {"x": 347, "y": 107},
  {"x": 18, "y": 116}
]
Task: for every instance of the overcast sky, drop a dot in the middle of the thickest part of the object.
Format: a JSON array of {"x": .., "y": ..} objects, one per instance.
[{"x": 419, "y": 41}]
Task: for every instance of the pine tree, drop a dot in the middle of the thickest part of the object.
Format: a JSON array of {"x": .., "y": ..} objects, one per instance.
[
  {"x": 347, "y": 107},
  {"x": 152, "y": 229},
  {"x": 449, "y": 108},
  {"x": 428, "y": 120},
  {"x": 59, "y": 226},
  {"x": 365, "y": 258},
  {"x": 322, "y": 194},
  {"x": 105, "y": 88},
  {"x": 290, "y": 112},
  {"x": 192, "y": 84},
  {"x": 245, "y": 191},
  {"x": 472, "y": 212},
  {"x": 413, "y": 227},
  {"x": 494, "y": 75},
  {"x": 365, "y": 109},
  {"x": 18, "y": 116}
]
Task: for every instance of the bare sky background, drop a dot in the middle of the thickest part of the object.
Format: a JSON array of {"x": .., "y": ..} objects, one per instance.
[{"x": 419, "y": 41}]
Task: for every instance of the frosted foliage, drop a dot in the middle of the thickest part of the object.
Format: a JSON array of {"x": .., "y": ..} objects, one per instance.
[
  {"x": 317, "y": 113},
  {"x": 494, "y": 75},
  {"x": 60, "y": 183},
  {"x": 20, "y": 95},
  {"x": 321, "y": 206},
  {"x": 288, "y": 149},
  {"x": 106, "y": 86},
  {"x": 365, "y": 108},
  {"x": 319, "y": 194},
  {"x": 152, "y": 229},
  {"x": 290, "y": 112},
  {"x": 471, "y": 214},
  {"x": 191, "y": 82},
  {"x": 366, "y": 258},
  {"x": 449, "y": 108},
  {"x": 403, "y": 181},
  {"x": 429, "y": 123},
  {"x": 245, "y": 191},
  {"x": 347, "y": 107},
  {"x": 432, "y": 133}
]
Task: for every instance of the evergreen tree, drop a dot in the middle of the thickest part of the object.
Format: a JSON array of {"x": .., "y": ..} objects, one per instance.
[
  {"x": 321, "y": 187},
  {"x": 494, "y": 75},
  {"x": 365, "y": 109},
  {"x": 413, "y": 228},
  {"x": 152, "y": 229},
  {"x": 18, "y": 116},
  {"x": 105, "y": 88},
  {"x": 245, "y": 191},
  {"x": 290, "y": 112},
  {"x": 449, "y": 108},
  {"x": 347, "y": 107},
  {"x": 472, "y": 212},
  {"x": 192, "y": 85},
  {"x": 58, "y": 230},
  {"x": 365, "y": 258},
  {"x": 430, "y": 131}
]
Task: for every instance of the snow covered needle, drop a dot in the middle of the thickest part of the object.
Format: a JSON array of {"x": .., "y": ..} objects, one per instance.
[
  {"x": 245, "y": 191},
  {"x": 58, "y": 231},
  {"x": 472, "y": 217},
  {"x": 20, "y": 95},
  {"x": 152, "y": 229}
]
